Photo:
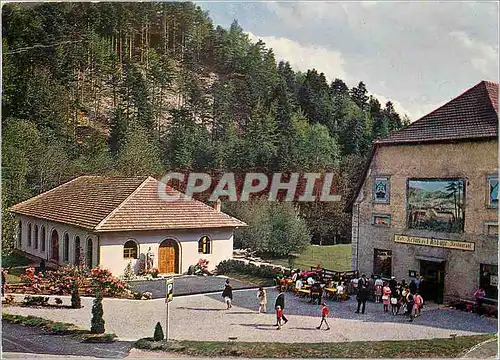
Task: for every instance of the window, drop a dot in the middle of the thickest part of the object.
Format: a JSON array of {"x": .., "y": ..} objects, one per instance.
[
  {"x": 36, "y": 236},
  {"x": 66, "y": 248},
  {"x": 20, "y": 235},
  {"x": 90, "y": 251},
  {"x": 42, "y": 240},
  {"x": 78, "y": 250},
  {"x": 130, "y": 250},
  {"x": 29, "y": 235},
  {"x": 204, "y": 245},
  {"x": 492, "y": 228},
  {"x": 381, "y": 220},
  {"x": 436, "y": 204},
  {"x": 488, "y": 280},
  {"x": 493, "y": 191},
  {"x": 381, "y": 190},
  {"x": 382, "y": 263}
]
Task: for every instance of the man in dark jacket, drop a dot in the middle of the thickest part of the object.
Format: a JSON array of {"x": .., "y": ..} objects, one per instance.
[
  {"x": 280, "y": 301},
  {"x": 227, "y": 294},
  {"x": 362, "y": 293}
]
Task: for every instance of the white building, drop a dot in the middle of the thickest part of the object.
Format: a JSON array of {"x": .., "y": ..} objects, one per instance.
[{"x": 115, "y": 221}]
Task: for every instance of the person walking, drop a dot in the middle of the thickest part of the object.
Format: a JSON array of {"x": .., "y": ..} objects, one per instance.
[
  {"x": 410, "y": 302},
  {"x": 362, "y": 293},
  {"x": 262, "y": 295},
  {"x": 386, "y": 297},
  {"x": 227, "y": 294},
  {"x": 279, "y": 316},
  {"x": 324, "y": 314},
  {"x": 280, "y": 303},
  {"x": 378, "y": 289}
]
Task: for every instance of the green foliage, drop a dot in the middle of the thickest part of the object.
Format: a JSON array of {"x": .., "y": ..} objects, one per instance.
[
  {"x": 35, "y": 300},
  {"x": 76, "y": 301},
  {"x": 158, "y": 334},
  {"x": 234, "y": 266},
  {"x": 274, "y": 228},
  {"x": 154, "y": 86},
  {"x": 128, "y": 273},
  {"x": 97, "y": 322}
]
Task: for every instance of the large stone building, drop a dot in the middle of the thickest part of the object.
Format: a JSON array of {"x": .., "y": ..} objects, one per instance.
[
  {"x": 112, "y": 222},
  {"x": 427, "y": 203}
]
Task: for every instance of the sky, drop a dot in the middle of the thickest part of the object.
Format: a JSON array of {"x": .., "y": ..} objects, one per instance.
[{"x": 419, "y": 55}]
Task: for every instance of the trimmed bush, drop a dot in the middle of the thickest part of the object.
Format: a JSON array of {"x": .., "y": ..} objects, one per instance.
[
  {"x": 35, "y": 300},
  {"x": 229, "y": 266},
  {"x": 158, "y": 335},
  {"x": 97, "y": 322}
]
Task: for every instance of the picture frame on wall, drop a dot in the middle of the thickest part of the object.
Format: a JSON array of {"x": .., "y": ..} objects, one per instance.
[
  {"x": 493, "y": 191},
  {"x": 381, "y": 190}
]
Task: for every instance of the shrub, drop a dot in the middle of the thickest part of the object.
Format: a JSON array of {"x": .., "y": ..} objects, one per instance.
[
  {"x": 76, "y": 301},
  {"x": 106, "y": 284},
  {"x": 97, "y": 322},
  {"x": 35, "y": 300},
  {"x": 9, "y": 299},
  {"x": 229, "y": 266},
  {"x": 201, "y": 267},
  {"x": 128, "y": 273},
  {"x": 58, "y": 301},
  {"x": 137, "y": 295},
  {"x": 158, "y": 335},
  {"x": 147, "y": 295}
]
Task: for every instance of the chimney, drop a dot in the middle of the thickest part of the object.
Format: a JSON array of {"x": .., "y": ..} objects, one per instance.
[{"x": 217, "y": 205}]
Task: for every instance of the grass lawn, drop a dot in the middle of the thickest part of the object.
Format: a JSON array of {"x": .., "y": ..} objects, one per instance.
[
  {"x": 58, "y": 328},
  {"x": 251, "y": 279},
  {"x": 442, "y": 348},
  {"x": 331, "y": 257}
]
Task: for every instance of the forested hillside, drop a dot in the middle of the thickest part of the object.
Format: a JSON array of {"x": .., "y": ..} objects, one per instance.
[{"x": 144, "y": 88}]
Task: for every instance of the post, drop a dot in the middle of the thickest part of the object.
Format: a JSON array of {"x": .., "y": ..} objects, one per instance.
[{"x": 166, "y": 320}]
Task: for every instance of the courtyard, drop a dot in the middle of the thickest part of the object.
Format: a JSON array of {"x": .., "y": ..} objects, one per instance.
[{"x": 203, "y": 317}]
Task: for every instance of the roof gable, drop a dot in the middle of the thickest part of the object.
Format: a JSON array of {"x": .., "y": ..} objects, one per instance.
[{"x": 471, "y": 115}]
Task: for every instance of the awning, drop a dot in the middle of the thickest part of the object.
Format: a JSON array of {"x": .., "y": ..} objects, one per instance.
[{"x": 430, "y": 258}]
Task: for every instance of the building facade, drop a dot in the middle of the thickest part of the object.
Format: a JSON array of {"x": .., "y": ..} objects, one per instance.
[
  {"x": 427, "y": 204},
  {"x": 114, "y": 222}
]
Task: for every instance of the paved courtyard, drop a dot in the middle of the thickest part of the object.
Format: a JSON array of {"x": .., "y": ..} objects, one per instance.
[{"x": 203, "y": 317}]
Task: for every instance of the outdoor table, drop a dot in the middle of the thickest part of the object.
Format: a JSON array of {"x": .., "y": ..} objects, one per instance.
[
  {"x": 304, "y": 292},
  {"x": 330, "y": 292}
]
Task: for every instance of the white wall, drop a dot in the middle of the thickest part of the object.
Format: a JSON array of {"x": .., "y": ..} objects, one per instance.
[
  {"x": 111, "y": 252},
  {"x": 47, "y": 227}
]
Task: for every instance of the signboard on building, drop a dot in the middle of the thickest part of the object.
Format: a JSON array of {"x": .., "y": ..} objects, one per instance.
[{"x": 449, "y": 244}]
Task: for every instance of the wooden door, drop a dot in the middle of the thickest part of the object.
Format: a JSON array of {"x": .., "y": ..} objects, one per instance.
[{"x": 167, "y": 257}]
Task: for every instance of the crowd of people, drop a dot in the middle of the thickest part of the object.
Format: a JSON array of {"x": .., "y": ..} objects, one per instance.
[{"x": 396, "y": 297}]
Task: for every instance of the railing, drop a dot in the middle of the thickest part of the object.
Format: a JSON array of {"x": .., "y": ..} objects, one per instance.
[{"x": 330, "y": 274}]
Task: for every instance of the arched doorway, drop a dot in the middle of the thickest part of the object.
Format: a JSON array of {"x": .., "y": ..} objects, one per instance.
[
  {"x": 54, "y": 241},
  {"x": 168, "y": 257}
]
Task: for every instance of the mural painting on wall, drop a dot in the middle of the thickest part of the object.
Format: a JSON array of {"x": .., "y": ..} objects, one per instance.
[
  {"x": 493, "y": 190},
  {"x": 436, "y": 204},
  {"x": 381, "y": 190}
]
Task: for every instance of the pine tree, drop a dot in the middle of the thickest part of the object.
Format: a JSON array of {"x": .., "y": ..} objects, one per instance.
[
  {"x": 97, "y": 322},
  {"x": 158, "y": 334}
]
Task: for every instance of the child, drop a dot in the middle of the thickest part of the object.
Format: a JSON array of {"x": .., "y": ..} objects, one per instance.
[
  {"x": 324, "y": 314},
  {"x": 227, "y": 294},
  {"x": 419, "y": 302},
  {"x": 279, "y": 316},
  {"x": 386, "y": 291},
  {"x": 262, "y": 299}
]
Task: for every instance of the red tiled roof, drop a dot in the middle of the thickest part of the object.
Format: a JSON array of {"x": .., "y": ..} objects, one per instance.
[
  {"x": 119, "y": 204},
  {"x": 473, "y": 114}
]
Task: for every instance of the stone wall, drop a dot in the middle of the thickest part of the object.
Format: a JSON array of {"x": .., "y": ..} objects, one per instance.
[{"x": 472, "y": 161}]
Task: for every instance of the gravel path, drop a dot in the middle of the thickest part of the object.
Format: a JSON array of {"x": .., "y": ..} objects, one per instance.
[{"x": 203, "y": 317}]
